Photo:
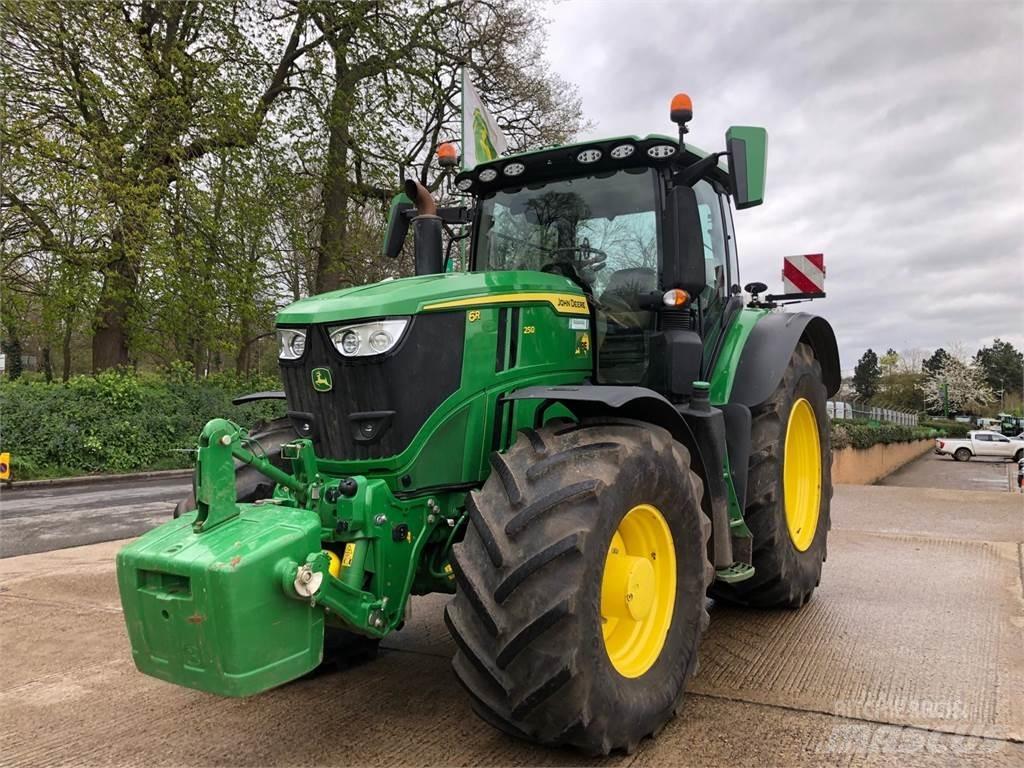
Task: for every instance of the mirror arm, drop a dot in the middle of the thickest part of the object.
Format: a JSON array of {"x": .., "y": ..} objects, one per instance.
[
  {"x": 454, "y": 215},
  {"x": 692, "y": 173}
]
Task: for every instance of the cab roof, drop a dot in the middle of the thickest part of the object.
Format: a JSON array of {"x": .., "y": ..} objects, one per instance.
[{"x": 583, "y": 158}]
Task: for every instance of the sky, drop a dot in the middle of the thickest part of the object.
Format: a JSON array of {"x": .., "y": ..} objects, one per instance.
[{"x": 896, "y": 144}]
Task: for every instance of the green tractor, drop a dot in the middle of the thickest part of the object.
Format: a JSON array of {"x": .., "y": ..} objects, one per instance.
[{"x": 582, "y": 436}]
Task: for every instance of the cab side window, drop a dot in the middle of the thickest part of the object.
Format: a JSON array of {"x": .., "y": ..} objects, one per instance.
[
  {"x": 716, "y": 288},
  {"x": 730, "y": 236},
  {"x": 713, "y": 233}
]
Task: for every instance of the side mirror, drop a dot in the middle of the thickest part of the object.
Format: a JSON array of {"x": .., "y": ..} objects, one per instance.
[
  {"x": 683, "y": 242},
  {"x": 748, "y": 162},
  {"x": 398, "y": 225}
]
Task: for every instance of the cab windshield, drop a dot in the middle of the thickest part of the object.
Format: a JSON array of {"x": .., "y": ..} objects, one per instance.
[{"x": 599, "y": 231}]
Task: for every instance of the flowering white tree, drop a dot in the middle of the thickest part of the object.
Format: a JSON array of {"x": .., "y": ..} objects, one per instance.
[{"x": 962, "y": 384}]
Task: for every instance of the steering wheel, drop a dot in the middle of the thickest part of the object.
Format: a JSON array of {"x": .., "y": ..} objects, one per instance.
[{"x": 593, "y": 259}]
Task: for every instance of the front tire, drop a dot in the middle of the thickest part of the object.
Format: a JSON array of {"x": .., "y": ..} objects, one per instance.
[
  {"x": 789, "y": 490},
  {"x": 581, "y": 538}
]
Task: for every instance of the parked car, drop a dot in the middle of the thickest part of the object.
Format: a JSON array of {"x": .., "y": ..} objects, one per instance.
[{"x": 981, "y": 442}]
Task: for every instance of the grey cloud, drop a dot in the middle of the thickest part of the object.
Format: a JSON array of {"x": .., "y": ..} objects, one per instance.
[{"x": 896, "y": 143}]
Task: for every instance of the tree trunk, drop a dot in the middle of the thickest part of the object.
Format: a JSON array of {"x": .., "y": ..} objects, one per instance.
[
  {"x": 65, "y": 373},
  {"x": 110, "y": 339},
  {"x": 242, "y": 359},
  {"x": 334, "y": 225},
  {"x": 47, "y": 365},
  {"x": 117, "y": 296},
  {"x": 13, "y": 351}
]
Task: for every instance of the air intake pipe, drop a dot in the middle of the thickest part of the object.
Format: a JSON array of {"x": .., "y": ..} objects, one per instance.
[{"x": 426, "y": 226}]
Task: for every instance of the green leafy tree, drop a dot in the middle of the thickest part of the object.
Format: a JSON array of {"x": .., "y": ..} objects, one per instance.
[
  {"x": 1003, "y": 367},
  {"x": 902, "y": 390},
  {"x": 125, "y": 97},
  {"x": 867, "y": 375},
  {"x": 936, "y": 361},
  {"x": 174, "y": 172},
  {"x": 889, "y": 362},
  {"x": 394, "y": 75}
]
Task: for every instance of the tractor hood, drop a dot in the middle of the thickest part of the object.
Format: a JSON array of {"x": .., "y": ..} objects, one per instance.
[{"x": 412, "y": 295}]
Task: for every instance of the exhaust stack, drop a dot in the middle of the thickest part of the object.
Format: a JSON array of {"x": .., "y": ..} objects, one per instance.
[{"x": 427, "y": 253}]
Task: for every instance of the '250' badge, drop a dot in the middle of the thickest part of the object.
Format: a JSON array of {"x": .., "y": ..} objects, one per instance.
[{"x": 322, "y": 379}]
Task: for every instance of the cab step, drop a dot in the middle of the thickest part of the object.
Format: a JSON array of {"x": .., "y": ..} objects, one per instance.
[{"x": 735, "y": 572}]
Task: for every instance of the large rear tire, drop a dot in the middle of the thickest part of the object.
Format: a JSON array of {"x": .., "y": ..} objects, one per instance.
[
  {"x": 581, "y": 582},
  {"x": 789, "y": 490}
]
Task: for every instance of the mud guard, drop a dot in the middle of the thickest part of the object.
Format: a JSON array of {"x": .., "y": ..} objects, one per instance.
[
  {"x": 762, "y": 363},
  {"x": 702, "y": 432},
  {"x": 253, "y": 397},
  {"x": 769, "y": 347}
]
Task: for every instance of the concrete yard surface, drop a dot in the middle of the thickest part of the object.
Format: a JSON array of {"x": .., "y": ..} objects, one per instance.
[
  {"x": 910, "y": 653},
  {"x": 935, "y": 471}
]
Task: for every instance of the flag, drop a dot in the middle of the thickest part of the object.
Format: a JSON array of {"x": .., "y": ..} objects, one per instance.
[{"x": 482, "y": 139}]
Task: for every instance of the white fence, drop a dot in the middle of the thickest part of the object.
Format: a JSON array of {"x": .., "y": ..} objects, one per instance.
[{"x": 837, "y": 409}]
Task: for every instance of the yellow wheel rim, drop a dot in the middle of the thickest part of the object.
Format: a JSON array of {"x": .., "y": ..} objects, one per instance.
[
  {"x": 638, "y": 590},
  {"x": 801, "y": 474}
]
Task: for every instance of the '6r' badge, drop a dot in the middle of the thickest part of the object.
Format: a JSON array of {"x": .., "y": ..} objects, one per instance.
[{"x": 322, "y": 379}]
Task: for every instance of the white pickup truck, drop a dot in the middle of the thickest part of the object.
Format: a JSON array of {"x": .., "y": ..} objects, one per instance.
[{"x": 981, "y": 442}]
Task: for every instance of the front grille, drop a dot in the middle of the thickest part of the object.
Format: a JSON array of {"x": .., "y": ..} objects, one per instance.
[{"x": 377, "y": 404}]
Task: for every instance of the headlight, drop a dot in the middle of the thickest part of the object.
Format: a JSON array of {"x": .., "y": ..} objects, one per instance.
[
  {"x": 291, "y": 343},
  {"x": 366, "y": 339}
]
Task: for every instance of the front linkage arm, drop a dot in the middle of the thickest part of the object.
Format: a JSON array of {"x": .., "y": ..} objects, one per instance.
[
  {"x": 222, "y": 441},
  {"x": 378, "y": 533}
]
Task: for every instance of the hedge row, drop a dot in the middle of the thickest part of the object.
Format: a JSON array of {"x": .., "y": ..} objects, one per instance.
[
  {"x": 125, "y": 422},
  {"x": 948, "y": 427},
  {"x": 852, "y": 434},
  {"x": 118, "y": 421}
]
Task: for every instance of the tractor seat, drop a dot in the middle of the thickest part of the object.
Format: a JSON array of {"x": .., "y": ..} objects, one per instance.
[{"x": 622, "y": 296}]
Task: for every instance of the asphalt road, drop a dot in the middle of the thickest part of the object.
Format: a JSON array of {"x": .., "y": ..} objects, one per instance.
[
  {"x": 44, "y": 518},
  {"x": 910, "y": 653}
]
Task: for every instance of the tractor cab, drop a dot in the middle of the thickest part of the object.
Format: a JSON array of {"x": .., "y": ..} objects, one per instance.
[
  {"x": 604, "y": 225},
  {"x": 642, "y": 226}
]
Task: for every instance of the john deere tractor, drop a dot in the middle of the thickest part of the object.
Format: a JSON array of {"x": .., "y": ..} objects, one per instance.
[{"x": 582, "y": 433}]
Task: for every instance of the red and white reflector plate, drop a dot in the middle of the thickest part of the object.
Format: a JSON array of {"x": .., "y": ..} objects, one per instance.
[{"x": 803, "y": 274}]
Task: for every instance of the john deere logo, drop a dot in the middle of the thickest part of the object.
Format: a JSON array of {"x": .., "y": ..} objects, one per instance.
[{"x": 322, "y": 380}]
